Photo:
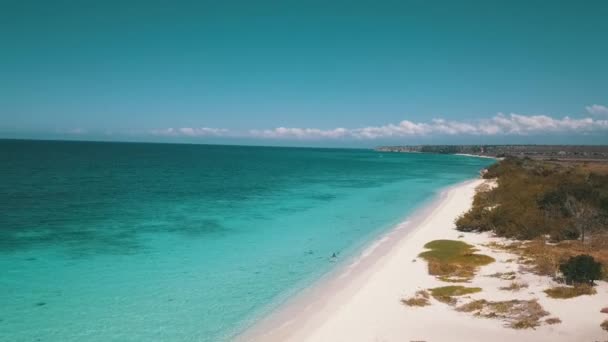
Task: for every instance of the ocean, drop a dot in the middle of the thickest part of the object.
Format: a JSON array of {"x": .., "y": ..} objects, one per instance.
[{"x": 177, "y": 242}]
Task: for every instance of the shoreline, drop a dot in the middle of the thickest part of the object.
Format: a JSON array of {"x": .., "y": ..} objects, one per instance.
[
  {"x": 310, "y": 307},
  {"x": 361, "y": 300},
  {"x": 477, "y": 155}
]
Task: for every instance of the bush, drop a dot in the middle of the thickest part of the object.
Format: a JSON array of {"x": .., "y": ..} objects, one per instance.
[
  {"x": 565, "y": 292},
  {"x": 446, "y": 294},
  {"x": 604, "y": 325},
  {"x": 566, "y": 233},
  {"x": 519, "y": 314},
  {"x": 420, "y": 299},
  {"x": 581, "y": 269}
]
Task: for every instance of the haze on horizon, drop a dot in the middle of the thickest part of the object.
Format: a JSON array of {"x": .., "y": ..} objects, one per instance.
[{"x": 356, "y": 73}]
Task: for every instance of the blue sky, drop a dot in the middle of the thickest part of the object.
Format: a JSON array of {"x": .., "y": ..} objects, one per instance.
[{"x": 339, "y": 73}]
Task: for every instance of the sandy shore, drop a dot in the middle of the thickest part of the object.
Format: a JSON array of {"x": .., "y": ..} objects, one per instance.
[{"x": 361, "y": 301}]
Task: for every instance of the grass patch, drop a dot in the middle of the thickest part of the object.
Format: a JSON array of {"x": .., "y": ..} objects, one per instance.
[
  {"x": 514, "y": 286},
  {"x": 420, "y": 299},
  {"x": 517, "y": 314},
  {"x": 446, "y": 294},
  {"x": 565, "y": 292},
  {"x": 453, "y": 261}
]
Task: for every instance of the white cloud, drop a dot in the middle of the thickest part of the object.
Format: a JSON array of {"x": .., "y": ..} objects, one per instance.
[
  {"x": 500, "y": 124},
  {"x": 191, "y": 132},
  {"x": 517, "y": 124},
  {"x": 597, "y": 109},
  {"x": 300, "y": 133}
]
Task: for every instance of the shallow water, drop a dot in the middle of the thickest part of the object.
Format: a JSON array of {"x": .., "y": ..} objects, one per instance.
[{"x": 162, "y": 242}]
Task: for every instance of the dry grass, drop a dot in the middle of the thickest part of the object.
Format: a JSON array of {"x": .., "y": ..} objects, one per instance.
[
  {"x": 553, "y": 320},
  {"x": 565, "y": 292},
  {"x": 597, "y": 167},
  {"x": 453, "y": 261},
  {"x": 515, "y": 286},
  {"x": 544, "y": 258},
  {"x": 604, "y": 325},
  {"x": 450, "y": 272},
  {"x": 486, "y": 186},
  {"x": 420, "y": 299},
  {"x": 517, "y": 314},
  {"x": 503, "y": 275},
  {"x": 548, "y": 257},
  {"x": 446, "y": 294}
]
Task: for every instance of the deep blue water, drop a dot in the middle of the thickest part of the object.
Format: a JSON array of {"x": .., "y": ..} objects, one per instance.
[{"x": 167, "y": 242}]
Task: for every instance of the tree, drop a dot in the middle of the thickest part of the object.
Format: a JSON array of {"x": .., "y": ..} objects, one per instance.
[
  {"x": 581, "y": 269},
  {"x": 577, "y": 201},
  {"x": 583, "y": 212}
]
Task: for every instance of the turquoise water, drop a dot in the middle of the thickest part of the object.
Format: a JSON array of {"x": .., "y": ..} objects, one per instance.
[{"x": 162, "y": 242}]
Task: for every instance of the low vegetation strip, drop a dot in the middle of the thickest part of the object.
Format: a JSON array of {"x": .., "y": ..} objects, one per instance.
[
  {"x": 420, "y": 299},
  {"x": 446, "y": 294},
  {"x": 518, "y": 314},
  {"x": 565, "y": 292},
  {"x": 514, "y": 286},
  {"x": 452, "y": 260}
]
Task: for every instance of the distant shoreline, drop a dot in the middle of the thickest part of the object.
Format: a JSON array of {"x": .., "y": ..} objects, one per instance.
[
  {"x": 586, "y": 153},
  {"x": 476, "y": 155}
]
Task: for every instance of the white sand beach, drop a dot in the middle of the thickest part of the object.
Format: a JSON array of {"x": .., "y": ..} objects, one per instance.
[{"x": 361, "y": 301}]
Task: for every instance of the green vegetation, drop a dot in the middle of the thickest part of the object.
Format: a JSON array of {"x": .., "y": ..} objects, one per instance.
[
  {"x": 565, "y": 292},
  {"x": 581, "y": 269},
  {"x": 446, "y": 294},
  {"x": 518, "y": 314},
  {"x": 559, "y": 209},
  {"x": 453, "y": 261},
  {"x": 420, "y": 299}
]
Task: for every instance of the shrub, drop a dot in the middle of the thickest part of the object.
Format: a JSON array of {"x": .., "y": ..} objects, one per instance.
[
  {"x": 553, "y": 320},
  {"x": 566, "y": 233},
  {"x": 420, "y": 299},
  {"x": 604, "y": 325},
  {"x": 503, "y": 275},
  {"x": 565, "y": 292},
  {"x": 445, "y": 294},
  {"x": 581, "y": 269},
  {"x": 514, "y": 286},
  {"x": 518, "y": 314}
]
